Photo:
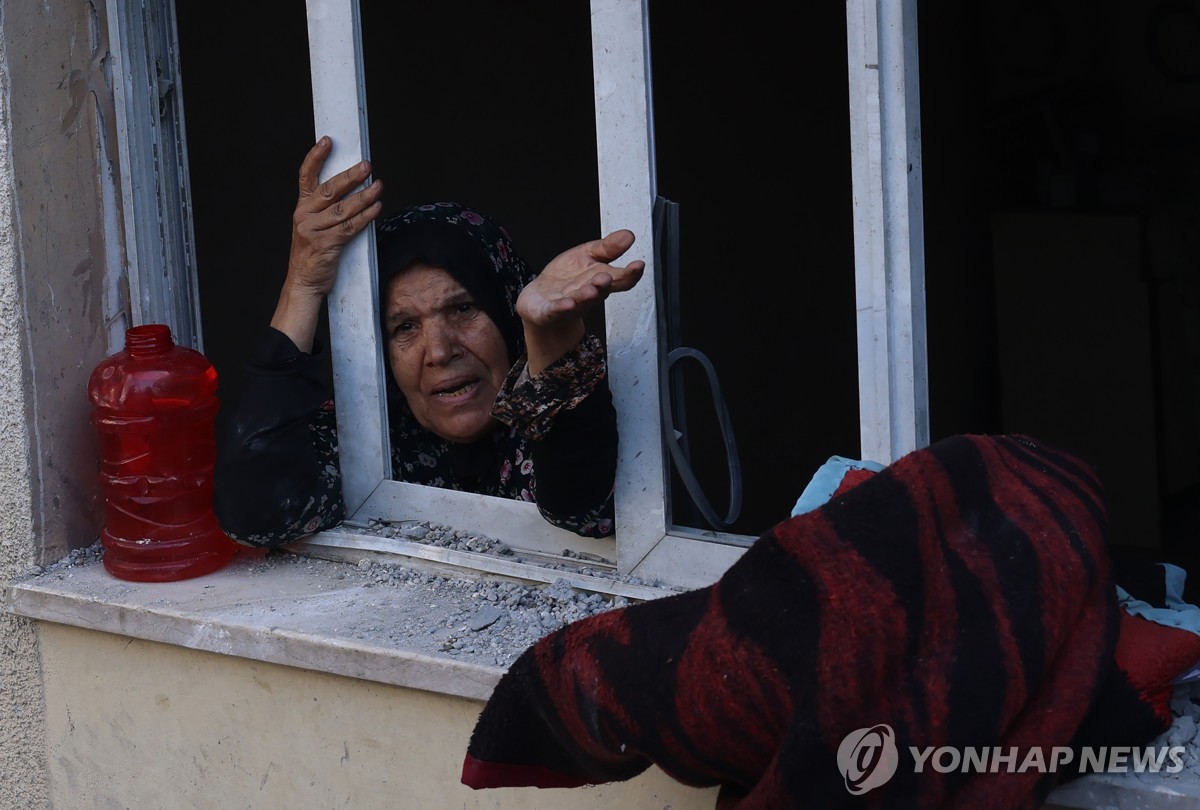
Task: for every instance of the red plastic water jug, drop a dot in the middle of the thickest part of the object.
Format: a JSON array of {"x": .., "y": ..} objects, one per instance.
[{"x": 153, "y": 408}]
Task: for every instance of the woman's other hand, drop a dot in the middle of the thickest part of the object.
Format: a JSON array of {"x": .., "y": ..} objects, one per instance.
[
  {"x": 552, "y": 306},
  {"x": 326, "y": 218}
]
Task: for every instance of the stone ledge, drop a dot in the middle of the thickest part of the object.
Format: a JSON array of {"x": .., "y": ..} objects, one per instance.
[
  {"x": 1126, "y": 792},
  {"x": 294, "y": 615}
]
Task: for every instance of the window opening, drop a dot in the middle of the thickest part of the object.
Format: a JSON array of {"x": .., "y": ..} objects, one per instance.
[
  {"x": 490, "y": 105},
  {"x": 766, "y": 288},
  {"x": 248, "y": 102},
  {"x": 672, "y": 393},
  {"x": 1064, "y": 297}
]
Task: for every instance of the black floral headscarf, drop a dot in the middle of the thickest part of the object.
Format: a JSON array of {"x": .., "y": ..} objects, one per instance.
[
  {"x": 473, "y": 247},
  {"x": 477, "y": 252}
]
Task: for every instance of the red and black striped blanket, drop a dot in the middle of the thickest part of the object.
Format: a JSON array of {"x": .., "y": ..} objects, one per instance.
[{"x": 962, "y": 597}]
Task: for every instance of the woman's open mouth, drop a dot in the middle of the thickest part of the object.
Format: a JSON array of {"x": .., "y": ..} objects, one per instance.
[{"x": 456, "y": 389}]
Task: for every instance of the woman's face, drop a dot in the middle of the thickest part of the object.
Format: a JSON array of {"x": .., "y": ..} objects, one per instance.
[{"x": 447, "y": 356}]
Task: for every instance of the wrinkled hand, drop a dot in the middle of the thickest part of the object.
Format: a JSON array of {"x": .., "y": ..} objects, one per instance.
[
  {"x": 327, "y": 217},
  {"x": 578, "y": 279},
  {"x": 552, "y": 306}
]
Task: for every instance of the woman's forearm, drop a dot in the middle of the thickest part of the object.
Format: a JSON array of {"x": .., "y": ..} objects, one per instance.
[{"x": 296, "y": 315}]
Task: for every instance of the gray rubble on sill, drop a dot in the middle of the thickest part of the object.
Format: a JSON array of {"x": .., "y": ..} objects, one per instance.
[{"x": 395, "y": 621}]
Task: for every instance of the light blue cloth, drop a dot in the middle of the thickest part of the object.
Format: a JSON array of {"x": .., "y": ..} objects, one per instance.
[
  {"x": 826, "y": 481},
  {"x": 1177, "y": 613}
]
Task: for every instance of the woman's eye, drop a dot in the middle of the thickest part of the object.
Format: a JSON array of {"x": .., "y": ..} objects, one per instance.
[
  {"x": 401, "y": 329},
  {"x": 466, "y": 307}
]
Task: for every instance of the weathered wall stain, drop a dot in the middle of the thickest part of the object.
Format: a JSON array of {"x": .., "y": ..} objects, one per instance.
[{"x": 58, "y": 239}]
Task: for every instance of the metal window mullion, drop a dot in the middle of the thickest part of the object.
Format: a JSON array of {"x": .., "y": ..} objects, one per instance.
[
  {"x": 888, "y": 226},
  {"x": 152, "y": 151},
  {"x": 625, "y": 164},
  {"x": 340, "y": 111}
]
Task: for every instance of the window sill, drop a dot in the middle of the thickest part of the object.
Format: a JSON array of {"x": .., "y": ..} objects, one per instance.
[
  {"x": 1127, "y": 792},
  {"x": 307, "y": 613},
  {"x": 425, "y": 617}
]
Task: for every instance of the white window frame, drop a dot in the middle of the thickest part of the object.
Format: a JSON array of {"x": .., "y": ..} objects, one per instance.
[
  {"x": 889, "y": 240},
  {"x": 889, "y": 257},
  {"x": 156, "y": 202}
]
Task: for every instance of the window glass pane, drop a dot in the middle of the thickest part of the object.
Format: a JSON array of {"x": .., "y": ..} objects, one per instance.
[{"x": 766, "y": 256}]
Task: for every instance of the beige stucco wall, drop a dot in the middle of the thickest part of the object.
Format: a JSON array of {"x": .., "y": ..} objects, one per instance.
[
  {"x": 134, "y": 724},
  {"x": 53, "y": 246}
]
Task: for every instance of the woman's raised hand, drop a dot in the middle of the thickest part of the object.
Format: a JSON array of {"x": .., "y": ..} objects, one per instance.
[
  {"x": 552, "y": 306},
  {"x": 327, "y": 216},
  {"x": 578, "y": 279}
]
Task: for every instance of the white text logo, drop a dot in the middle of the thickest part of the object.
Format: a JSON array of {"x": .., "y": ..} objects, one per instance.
[
  {"x": 1115, "y": 759},
  {"x": 868, "y": 758}
]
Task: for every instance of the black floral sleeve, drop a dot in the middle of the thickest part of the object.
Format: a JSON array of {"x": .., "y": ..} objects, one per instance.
[
  {"x": 323, "y": 507},
  {"x": 277, "y": 477},
  {"x": 567, "y": 418}
]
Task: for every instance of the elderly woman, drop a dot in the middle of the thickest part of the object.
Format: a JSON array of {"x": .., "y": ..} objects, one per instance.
[{"x": 492, "y": 371}]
